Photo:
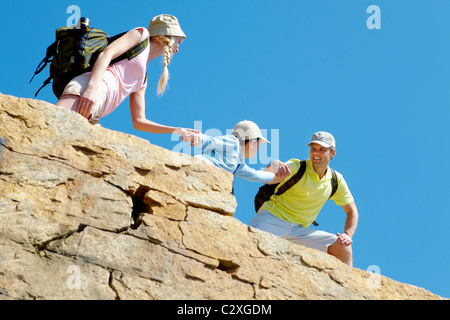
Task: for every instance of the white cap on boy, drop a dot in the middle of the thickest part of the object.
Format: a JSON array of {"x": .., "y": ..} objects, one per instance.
[{"x": 248, "y": 130}]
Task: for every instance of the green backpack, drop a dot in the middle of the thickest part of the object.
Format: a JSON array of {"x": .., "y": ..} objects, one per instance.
[
  {"x": 268, "y": 190},
  {"x": 75, "y": 51}
]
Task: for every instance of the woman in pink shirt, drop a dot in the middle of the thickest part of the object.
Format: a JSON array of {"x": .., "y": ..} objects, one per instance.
[{"x": 95, "y": 94}]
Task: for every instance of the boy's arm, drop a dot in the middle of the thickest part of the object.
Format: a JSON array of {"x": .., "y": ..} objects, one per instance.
[
  {"x": 204, "y": 141},
  {"x": 250, "y": 174}
]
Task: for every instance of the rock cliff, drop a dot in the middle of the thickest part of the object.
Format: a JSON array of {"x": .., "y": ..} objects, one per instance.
[{"x": 91, "y": 213}]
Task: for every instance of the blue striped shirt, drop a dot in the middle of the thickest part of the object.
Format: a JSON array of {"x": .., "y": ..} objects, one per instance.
[{"x": 225, "y": 152}]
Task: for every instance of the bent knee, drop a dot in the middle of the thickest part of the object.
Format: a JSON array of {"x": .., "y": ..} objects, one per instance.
[
  {"x": 69, "y": 102},
  {"x": 338, "y": 249}
]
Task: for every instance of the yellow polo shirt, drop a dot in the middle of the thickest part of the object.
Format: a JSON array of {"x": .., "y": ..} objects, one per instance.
[{"x": 302, "y": 203}]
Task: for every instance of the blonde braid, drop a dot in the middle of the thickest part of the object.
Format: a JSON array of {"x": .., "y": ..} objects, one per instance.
[{"x": 167, "y": 42}]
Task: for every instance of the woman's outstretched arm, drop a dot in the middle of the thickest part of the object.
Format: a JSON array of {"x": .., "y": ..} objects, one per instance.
[{"x": 140, "y": 122}]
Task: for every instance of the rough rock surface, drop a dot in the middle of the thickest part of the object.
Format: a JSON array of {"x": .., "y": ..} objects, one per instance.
[{"x": 91, "y": 213}]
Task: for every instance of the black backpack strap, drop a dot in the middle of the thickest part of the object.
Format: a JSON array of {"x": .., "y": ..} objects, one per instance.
[
  {"x": 293, "y": 180},
  {"x": 46, "y": 82},
  {"x": 334, "y": 183},
  {"x": 268, "y": 190},
  {"x": 334, "y": 186},
  {"x": 51, "y": 50}
]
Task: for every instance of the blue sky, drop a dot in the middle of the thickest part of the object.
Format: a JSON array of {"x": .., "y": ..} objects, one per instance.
[{"x": 296, "y": 67}]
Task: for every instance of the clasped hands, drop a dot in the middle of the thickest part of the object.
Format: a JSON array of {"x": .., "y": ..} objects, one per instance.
[
  {"x": 189, "y": 135},
  {"x": 280, "y": 169}
]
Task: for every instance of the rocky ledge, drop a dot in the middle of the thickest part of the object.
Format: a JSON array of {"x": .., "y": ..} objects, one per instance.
[{"x": 91, "y": 213}]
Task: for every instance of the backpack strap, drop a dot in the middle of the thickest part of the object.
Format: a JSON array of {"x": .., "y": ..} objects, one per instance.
[
  {"x": 46, "y": 82},
  {"x": 334, "y": 183},
  {"x": 293, "y": 180},
  {"x": 51, "y": 50},
  {"x": 296, "y": 178},
  {"x": 267, "y": 190},
  {"x": 334, "y": 186},
  {"x": 131, "y": 53}
]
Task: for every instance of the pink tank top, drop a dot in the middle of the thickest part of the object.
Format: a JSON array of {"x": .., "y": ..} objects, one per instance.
[{"x": 126, "y": 77}]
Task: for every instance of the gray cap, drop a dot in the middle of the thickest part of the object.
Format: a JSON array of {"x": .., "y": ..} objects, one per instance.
[{"x": 323, "y": 138}]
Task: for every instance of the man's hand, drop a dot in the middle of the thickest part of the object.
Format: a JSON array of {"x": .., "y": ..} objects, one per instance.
[{"x": 344, "y": 239}]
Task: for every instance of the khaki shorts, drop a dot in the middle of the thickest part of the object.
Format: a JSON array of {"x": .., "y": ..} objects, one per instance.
[
  {"x": 76, "y": 87},
  {"x": 316, "y": 239}
]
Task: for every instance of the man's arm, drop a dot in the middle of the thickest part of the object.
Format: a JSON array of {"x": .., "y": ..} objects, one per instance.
[{"x": 350, "y": 224}]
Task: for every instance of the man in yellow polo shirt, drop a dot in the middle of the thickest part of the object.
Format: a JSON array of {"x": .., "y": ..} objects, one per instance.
[{"x": 290, "y": 214}]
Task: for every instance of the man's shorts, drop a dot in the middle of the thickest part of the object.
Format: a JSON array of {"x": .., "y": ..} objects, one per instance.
[
  {"x": 311, "y": 238},
  {"x": 76, "y": 87}
]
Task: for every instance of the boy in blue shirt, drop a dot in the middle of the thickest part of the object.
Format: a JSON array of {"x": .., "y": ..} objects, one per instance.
[{"x": 229, "y": 152}]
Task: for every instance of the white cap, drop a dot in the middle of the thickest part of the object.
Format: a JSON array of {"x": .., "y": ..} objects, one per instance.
[
  {"x": 323, "y": 138},
  {"x": 165, "y": 25},
  {"x": 248, "y": 130}
]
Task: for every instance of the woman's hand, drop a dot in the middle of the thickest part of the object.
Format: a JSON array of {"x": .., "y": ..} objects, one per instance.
[{"x": 87, "y": 101}]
